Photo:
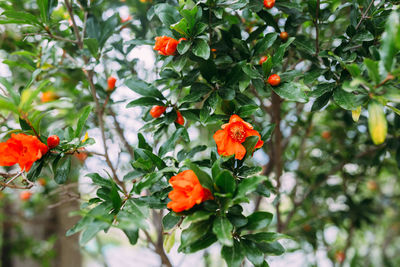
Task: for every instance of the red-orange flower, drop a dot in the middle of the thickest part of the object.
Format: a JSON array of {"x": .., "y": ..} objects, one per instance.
[
  {"x": 166, "y": 46},
  {"x": 187, "y": 191},
  {"x": 229, "y": 140},
  {"x": 22, "y": 149}
]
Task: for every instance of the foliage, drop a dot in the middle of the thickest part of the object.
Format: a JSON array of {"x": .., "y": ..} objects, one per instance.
[{"x": 339, "y": 76}]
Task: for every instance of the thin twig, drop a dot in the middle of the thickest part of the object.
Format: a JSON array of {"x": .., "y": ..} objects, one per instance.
[
  {"x": 363, "y": 16},
  {"x": 316, "y": 28}
]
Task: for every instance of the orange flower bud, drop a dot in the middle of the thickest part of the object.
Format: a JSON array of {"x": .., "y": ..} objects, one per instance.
[
  {"x": 187, "y": 191},
  {"x": 262, "y": 60},
  {"x": 48, "y": 96},
  {"x": 128, "y": 18},
  {"x": 180, "y": 120},
  {"x": 284, "y": 36},
  {"x": 166, "y": 46},
  {"x": 229, "y": 140},
  {"x": 111, "y": 83},
  {"x": 53, "y": 141},
  {"x": 42, "y": 181},
  {"x": 157, "y": 111},
  {"x": 25, "y": 195},
  {"x": 326, "y": 135},
  {"x": 269, "y": 4},
  {"x": 274, "y": 80},
  {"x": 81, "y": 155}
]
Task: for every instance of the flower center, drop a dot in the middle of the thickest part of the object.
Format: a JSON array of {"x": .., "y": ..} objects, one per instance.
[{"x": 237, "y": 133}]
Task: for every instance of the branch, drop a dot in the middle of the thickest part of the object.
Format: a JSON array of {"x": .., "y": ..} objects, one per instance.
[
  {"x": 74, "y": 26},
  {"x": 316, "y": 29},
  {"x": 363, "y": 16},
  {"x": 121, "y": 134}
]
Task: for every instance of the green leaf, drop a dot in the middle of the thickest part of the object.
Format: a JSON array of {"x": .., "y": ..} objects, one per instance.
[
  {"x": 92, "y": 45},
  {"x": 258, "y": 220},
  {"x": 248, "y": 185},
  {"x": 321, "y": 101},
  {"x": 43, "y": 7},
  {"x": 201, "y": 49},
  {"x": 169, "y": 241},
  {"x": 273, "y": 248},
  {"x": 233, "y": 255},
  {"x": 171, "y": 142},
  {"x": 183, "y": 47},
  {"x": 373, "y": 70},
  {"x": 203, "y": 242},
  {"x": 279, "y": 53},
  {"x": 170, "y": 220},
  {"x": 132, "y": 235},
  {"x": 197, "y": 216},
  {"x": 353, "y": 69},
  {"x": 62, "y": 170},
  {"x": 265, "y": 43},
  {"x": 82, "y": 120},
  {"x": 291, "y": 91},
  {"x": 145, "y": 101},
  {"x": 388, "y": 48},
  {"x": 222, "y": 228},
  {"x": 6, "y": 104},
  {"x": 166, "y": 13},
  {"x": 265, "y": 237},
  {"x": 204, "y": 179},
  {"x": 144, "y": 89},
  {"x": 251, "y": 72},
  {"x": 98, "y": 180},
  {"x": 363, "y": 36},
  {"x": 91, "y": 231},
  {"x": 346, "y": 100},
  {"x": 252, "y": 252},
  {"x": 194, "y": 232},
  {"x": 15, "y": 97},
  {"x": 226, "y": 182}
]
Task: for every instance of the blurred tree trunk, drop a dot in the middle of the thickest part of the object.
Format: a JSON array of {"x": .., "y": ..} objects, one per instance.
[{"x": 44, "y": 225}]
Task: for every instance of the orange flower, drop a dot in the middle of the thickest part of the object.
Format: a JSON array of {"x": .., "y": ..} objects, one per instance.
[
  {"x": 229, "y": 140},
  {"x": 22, "y": 149},
  {"x": 166, "y": 46},
  {"x": 187, "y": 191}
]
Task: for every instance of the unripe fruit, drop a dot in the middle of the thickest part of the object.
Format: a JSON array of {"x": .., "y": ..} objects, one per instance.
[
  {"x": 180, "y": 120},
  {"x": 326, "y": 135},
  {"x": 25, "y": 195},
  {"x": 157, "y": 111},
  {"x": 111, "y": 83},
  {"x": 262, "y": 60},
  {"x": 274, "y": 80},
  {"x": 284, "y": 36},
  {"x": 269, "y": 4},
  {"x": 377, "y": 123},
  {"x": 53, "y": 141}
]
